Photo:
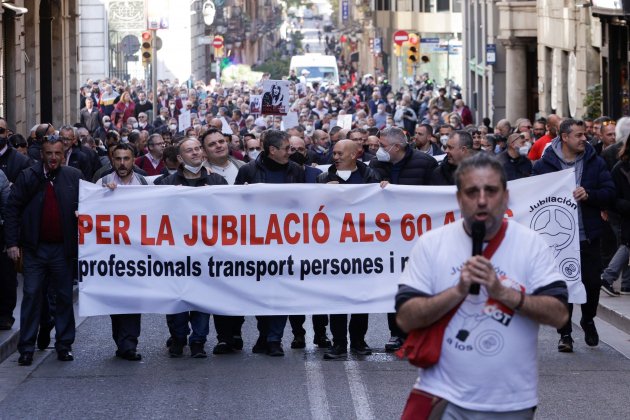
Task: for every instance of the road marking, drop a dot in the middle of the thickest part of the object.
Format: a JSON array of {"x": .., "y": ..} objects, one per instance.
[
  {"x": 358, "y": 392},
  {"x": 316, "y": 391}
]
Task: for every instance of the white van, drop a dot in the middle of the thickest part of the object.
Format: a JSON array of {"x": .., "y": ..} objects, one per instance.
[{"x": 321, "y": 68}]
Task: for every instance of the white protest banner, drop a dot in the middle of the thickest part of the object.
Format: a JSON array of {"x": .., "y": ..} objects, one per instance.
[
  {"x": 275, "y": 98},
  {"x": 289, "y": 121},
  {"x": 282, "y": 249},
  {"x": 225, "y": 126},
  {"x": 184, "y": 120}
]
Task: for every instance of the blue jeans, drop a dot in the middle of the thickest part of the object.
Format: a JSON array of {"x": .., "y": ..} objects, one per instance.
[
  {"x": 47, "y": 262},
  {"x": 199, "y": 322},
  {"x": 276, "y": 327},
  {"x": 618, "y": 265}
]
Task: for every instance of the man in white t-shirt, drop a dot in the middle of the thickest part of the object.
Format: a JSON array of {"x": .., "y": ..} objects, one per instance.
[
  {"x": 488, "y": 362},
  {"x": 218, "y": 157}
]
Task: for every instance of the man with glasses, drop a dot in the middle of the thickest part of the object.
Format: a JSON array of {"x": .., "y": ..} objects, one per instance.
[
  {"x": 143, "y": 122},
  {"x": 359, "y": 136},
  {"x": 74, "y": 155},
  {"x": 191, "y": 173},
  {"x": 398, "y": 163},
  {"x": 41, "y": 220},
  {"x": 514, "y": 158},
  {"x": 522, "y": 125},
  {"x": 273, "y": 166},
  {"x": 422, "y": 139},
  {"x": 152, "y": 162}
]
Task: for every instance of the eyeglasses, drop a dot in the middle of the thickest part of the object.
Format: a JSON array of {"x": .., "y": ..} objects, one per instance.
[{"x": 298, "y": 149}]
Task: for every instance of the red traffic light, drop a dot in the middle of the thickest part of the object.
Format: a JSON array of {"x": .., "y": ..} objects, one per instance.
[{"x": 146, "y": 36}]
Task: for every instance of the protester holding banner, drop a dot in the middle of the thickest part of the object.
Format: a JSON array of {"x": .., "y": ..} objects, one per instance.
[
  {"x": 459, "y": 146},
  {"x": 595, "y": 192},
  {"x": 346, "y": 169},
  {"x": 397, "y": 163},
  {"x": 271, "y": 166},
  {"x": 125, "y": 327},
  {"x": 487, "y": 366},
  {"x": 152, "y": 162},
  {"x": 191, "y": 173},
  {"x": 41, "y": 221}
]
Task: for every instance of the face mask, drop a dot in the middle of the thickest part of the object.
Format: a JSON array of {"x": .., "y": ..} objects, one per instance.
[
  {"x": 345, "y": 175},
  {"x": 253, "y": 154},
  {"x": 172, "y": 106},
  {"x": 383, "y": 155},
  {"x": 443, "y": 140},
  {"x": 194, "y": 169},
  {"x": 124, "y": 139},
  {"x": 497, "y": 149},
  {"x": 162, "y": 117},
  {"x": 143, "y": 102},
  {"x": 298, "y": 158},
  {"x": 107, "y": 124},
  {"x": 135, "y": 125},
  {"x": 524, "y": 150},
  {"x": 172, "y": 127}
]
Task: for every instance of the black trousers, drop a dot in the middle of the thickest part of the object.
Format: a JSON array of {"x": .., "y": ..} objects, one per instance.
[
  {"x": 125, "y": 331},
  {"x": 339, "y": 328},
  {"x": 591, "y": 269},
  {"x": 320, "y": 322},
  {"x": 394, "y": 329},
  {"x": 8, "y": 286},
  {"x": 228, "y": 327}
]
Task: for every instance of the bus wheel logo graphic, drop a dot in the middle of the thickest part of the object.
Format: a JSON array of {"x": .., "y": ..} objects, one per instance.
[
  {"x": 489, "y": 343},
  {"x": 557, "y": 225},
  {"x": 570, "y": 267}
]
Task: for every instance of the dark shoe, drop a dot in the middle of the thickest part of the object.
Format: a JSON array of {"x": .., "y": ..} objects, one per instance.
[
  {"x": 336, "y": 352},
  {"x": 275, "y": 349},
  {"x": 222, "y": 348},
  {"x": 565, "y": 345},
  {"x": 360, "y": 348},
  {"x": 6, "y": 323},
  {"x": 130, "y": 355},
  {"x": 260, "y": 346},
  {"x": 590, "y": 333},
  {"x": 65, "y": 355},
  {"x": 322, "y": 341},
  {"x": 608, "y": 289},
  {"x": 393, "y": 344},
  {"x": 176, "y": 349},
  {"x": 169, "y": 341},
  {"x": 299, "y": 342},
  {"x": 237, "y": 342},
  {"x": 26, "y": 359},
  {"x": 197, "y": 351},
  {"x": 43, "y": 337},
  {"x": 625, "y": 290}
]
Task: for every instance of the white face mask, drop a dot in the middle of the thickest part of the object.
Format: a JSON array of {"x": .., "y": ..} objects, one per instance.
[
  {"x": 194, "y": 169},
  {"x": 135, "y": 125},
  {"x": 172, "y": 127},
  {"x": 253, "y": 154},
  {"x": 345, "y": 175},
  {"x": 107, "y": 124},
  {"x": 383, "y": 155},
  {"x": 524, "y": 149},
  {"x": 172, "y": 106},
  {"x": 443, "y": 140},
  {"x": 143, "y": 102},
  {"x": 124, "y": 140}
]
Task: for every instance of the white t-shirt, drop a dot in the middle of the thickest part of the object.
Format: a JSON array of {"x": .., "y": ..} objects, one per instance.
[
  {"x": 229, "y": 172},
  {"x": 489, "y": 354}
]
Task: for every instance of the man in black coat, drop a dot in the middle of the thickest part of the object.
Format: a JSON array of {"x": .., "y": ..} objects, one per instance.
[
  {"x": 89, "y": 116},
  {"x": 458, "y": 147},
  {"x": 397, "y": 163},
  {"x": 41, "y": 219},
  {"x": 272, "y": 166}
]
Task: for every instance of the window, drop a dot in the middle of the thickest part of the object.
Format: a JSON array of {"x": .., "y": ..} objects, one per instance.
[{"x": 443, "y": 5}]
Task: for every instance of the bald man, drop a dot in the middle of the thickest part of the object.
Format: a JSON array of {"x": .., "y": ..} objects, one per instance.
[{"x": 537, "y": 150}]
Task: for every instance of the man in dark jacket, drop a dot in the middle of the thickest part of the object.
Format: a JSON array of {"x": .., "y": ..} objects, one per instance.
[
  {"x": 397, "y": 163},
  {"x": 346, "y": 169},
  {"x": 514, "y": 158},
  {"x": 595, "y": 192},
  {"x": 458, "y": 147},
  {"x": 422, "y": 139},
  {"x": 191, "y": 173},
  {"x": 11, "y": 162},
  {"x": 272, "y": 166},
  {"x": 7, "y": 273},
  {"x": 90, "y": 116},
  {"x": 41, "y": 219},
  {"x": 75, "y": 155}
]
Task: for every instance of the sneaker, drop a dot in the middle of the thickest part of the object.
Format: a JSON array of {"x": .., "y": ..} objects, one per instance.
[
  {"x": 275, "y": 349},
  {"x": 625, "y": 291},
  {"x": 197, "y": 351},
  {"x": 608, "y": 289},
  {"x": 222, "y": 348},
  {"x": 565, "y": 345},
  {"x": 322, "y": 341},
  {"x": 176, "y": 349},
  {"x": 237, "y": 342},
  {"x": 336, "y": 352},
  {"x": 590, "y": 333},
  {"x": 260, "y": 346},
  {"x": 360, "y": 348},
  {"x": 299, "y": 342},
  {"x": 393, "y": 344}
]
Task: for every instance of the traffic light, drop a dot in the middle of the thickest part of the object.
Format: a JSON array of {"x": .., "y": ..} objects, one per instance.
[
  {"x": 147, "y": 47},
  {"x": 412, "y": 56}
]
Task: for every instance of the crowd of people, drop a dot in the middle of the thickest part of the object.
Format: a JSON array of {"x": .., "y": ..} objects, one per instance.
[{"x": 415, "y": 136}]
